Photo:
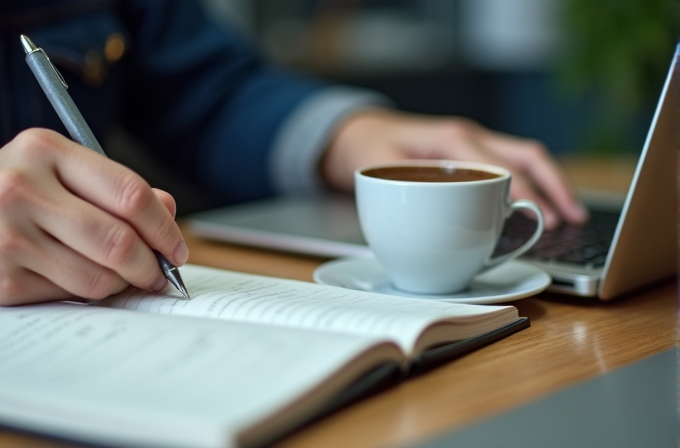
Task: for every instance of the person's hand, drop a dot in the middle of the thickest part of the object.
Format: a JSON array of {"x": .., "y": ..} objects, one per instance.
[
  {"x": 74, "y": 224},
  {"x": 376, "y": 136}
]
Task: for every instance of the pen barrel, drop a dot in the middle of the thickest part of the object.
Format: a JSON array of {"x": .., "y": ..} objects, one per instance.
[
  {"x": 55, "y": 89},
  {"x": 61, "y": 101}
]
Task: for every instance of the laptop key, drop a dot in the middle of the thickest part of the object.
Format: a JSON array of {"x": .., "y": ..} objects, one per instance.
[{"x": 578, "y": 244}]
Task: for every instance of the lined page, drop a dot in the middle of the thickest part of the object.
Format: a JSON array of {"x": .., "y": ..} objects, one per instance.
[
  {"x": 244, "y": 297},
  {"x": 125, "y": 378}
]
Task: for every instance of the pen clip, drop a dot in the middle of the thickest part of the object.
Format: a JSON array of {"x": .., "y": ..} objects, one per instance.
[{"x": 61, "y": 78}]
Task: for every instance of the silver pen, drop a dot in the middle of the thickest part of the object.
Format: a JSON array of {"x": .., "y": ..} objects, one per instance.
[{"x": 54, "y": 86}]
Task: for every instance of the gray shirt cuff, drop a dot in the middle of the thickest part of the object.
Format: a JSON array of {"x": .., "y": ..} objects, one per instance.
[{"x": 304, "y": 136}]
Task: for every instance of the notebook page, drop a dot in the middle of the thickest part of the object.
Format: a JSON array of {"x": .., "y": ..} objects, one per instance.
[
  {"x": 244, "y": 297},
  {"x": 94, "y": 374}
]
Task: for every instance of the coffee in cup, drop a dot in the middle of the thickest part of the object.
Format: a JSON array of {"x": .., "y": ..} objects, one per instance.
[
  {"x": 429, "y": 174},
  {"x": 434, "y": 224}
]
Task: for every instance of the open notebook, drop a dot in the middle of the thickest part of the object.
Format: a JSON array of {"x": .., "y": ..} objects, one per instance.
[
  {"x": 622, "y": 248},
  {"x": 246, "y": 360}
]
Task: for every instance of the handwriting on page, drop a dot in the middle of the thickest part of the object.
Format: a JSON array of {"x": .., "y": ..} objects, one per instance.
[
  {"x": 95, "y": 352},
  {"x": 227, "y": 295},
  {"x": 138, "y": 367},
  {"x": 78, "y": 343}
]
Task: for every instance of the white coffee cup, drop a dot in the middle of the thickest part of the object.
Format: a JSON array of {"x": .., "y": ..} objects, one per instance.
[{"x": 434, "y": 237}]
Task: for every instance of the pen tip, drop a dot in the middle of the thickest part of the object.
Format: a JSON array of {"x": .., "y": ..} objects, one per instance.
[{"x": 28, "y": 44}]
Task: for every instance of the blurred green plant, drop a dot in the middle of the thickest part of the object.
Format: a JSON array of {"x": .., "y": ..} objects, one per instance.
[{"x": 618, "y": 52}]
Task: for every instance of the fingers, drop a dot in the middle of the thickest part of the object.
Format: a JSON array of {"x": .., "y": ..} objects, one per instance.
[
  {"x": 22, "y": 287},
  {"x": 65, "y": 275},
  {"x": 521, "y": 188},
  {"x": 539, "y": 177},
  {"x": 102, "y": 239},
  {"x": 376, "y": 136},
  {"x": 536, "y": 176},
  {"x": 471, "y": 143},
  {"x": 19, "y": 285},
  {"x": 73, "y": 223},
  {"x": 551, "y": 180},
  {"x": 34, "y": 267},
  {"x": 122, "y": 193}
]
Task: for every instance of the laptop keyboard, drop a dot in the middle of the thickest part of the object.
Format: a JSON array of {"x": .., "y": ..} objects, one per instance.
[{"x": 585, "y": 244}]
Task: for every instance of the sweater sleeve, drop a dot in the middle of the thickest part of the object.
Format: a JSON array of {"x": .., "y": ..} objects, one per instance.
[{"x": 305, "y": 134}]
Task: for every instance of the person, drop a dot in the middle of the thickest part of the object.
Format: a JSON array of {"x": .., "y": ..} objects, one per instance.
[{"x": 75, "y": 224}]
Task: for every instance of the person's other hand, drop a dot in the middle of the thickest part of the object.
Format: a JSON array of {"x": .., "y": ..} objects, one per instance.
[
  {"x": 376, "y": 136},
  {"x": 74, "y": 224}
]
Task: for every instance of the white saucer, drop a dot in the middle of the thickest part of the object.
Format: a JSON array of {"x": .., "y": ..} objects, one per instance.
[{"x": 510, "y": 281}]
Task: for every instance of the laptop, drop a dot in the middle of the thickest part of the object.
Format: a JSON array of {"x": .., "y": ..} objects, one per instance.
[{"x": 623, "y": 247}]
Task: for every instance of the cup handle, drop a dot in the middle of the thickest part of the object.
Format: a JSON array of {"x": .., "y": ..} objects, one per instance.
[{"x": 522, "y": 203}]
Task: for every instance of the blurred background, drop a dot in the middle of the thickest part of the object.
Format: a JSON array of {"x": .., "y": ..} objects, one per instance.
[{"x": 580, "y": 75}]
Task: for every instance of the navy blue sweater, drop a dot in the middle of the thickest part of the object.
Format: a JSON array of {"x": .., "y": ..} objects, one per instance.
[{"x": 194, "y": 92}]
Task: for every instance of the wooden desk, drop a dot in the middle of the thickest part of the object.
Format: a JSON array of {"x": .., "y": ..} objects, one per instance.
[{"x": 570, "y": 340}]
